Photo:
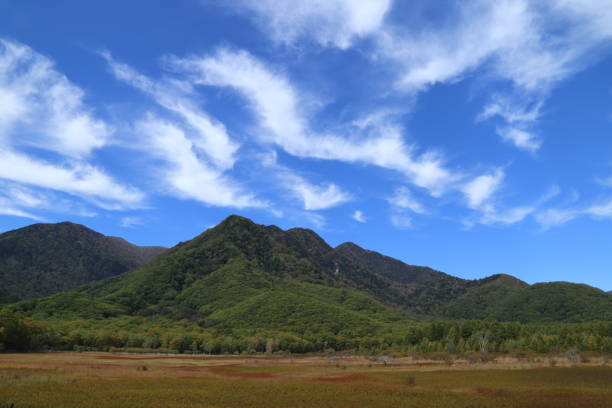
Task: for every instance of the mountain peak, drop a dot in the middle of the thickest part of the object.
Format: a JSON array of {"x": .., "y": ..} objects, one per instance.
[
  {"x": 350, "y": 246},
  {"x": 504, "y": 280},
  {"x": 236, "y": 220},
  {"x": 64, "y": 225}
]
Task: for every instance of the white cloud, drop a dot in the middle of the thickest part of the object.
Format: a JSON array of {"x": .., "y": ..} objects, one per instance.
[
  {"x": 130, "y": 221},
  {"x": 76, "y": 178},
  {"x": 318, "y": 197},
  {"x": 277, "y": 107},
  {"x": 14, "y": 198},
  {"x": 488, "y": 212},
  {"x": 19, "y": 200},
  {"x": 403, "y": 199},
  {"x": 40, "y": 107},
  {"x": 184, "y": 173},
  {"x": 313, "y": 197},
  {"x": 555, "y": 217},
  {"x": 513, "y": 110},
  {"x": 607, "y": 182},
  {"x": 328, "y": 22},
  {"x": 520, "y": 138},
  {"x": 358, "y": 216},
  {"x": 533, "y": 45},
  {"x": 196, "y": 152},
  {"x": 520, "y": 115},
  {"x": 479, "y": 32},
  {"x": 208, "y": 134},
  {"x": 401, "y": 221},
  {"x": 490, "y": 215},
  {"x": 482, "y": 188},
  {"x": 6, "y": 208},
  {"x": 603, "y": 210},
  {"x": 315, "y": 219}
]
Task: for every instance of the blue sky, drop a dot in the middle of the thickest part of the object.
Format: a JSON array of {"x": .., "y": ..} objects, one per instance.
[{"x": 475, "y": 138}]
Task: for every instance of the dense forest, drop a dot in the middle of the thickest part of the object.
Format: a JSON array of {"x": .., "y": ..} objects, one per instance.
[
  {"x": 22, "y": 334},
  {"x": 43, "y": 259}
]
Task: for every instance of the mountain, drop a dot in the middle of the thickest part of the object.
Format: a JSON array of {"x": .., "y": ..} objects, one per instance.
[
  {"x": 417, "y": 289},
  {"x": 43, "y": 259},
  {"x": 244, "y": 275}
]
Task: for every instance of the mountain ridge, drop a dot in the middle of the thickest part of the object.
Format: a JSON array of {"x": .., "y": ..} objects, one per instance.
[
  {"x": 242, "y": 274},
  {"x": 42, "y": 259}
]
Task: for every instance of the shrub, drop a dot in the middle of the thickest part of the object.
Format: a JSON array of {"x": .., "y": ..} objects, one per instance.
[{"x": 409, "y": 380}]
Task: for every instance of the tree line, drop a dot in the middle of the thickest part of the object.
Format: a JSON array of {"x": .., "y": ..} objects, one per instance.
[{"x": 21, "y": 334}]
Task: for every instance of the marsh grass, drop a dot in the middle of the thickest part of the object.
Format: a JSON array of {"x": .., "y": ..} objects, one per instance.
[
  {"x": 10, "y": 377},
  {"x": 105, "y": 381}
]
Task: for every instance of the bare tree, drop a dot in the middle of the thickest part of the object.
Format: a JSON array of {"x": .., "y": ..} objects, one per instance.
[
  {"x": 483, "y": 339},
  {"x": 573, "y": 356}
]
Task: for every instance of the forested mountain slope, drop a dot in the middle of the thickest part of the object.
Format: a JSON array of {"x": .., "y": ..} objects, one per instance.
[
  {"x": 244, "y": 275},
  {"x": 43, "y": 259}
]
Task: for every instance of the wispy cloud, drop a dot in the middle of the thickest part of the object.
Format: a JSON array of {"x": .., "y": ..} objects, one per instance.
[
  {"x": 22, "y": 201},
  {"x": 184, "y": 173},
  {"x": 520, "y": 115},
  {"x": 555, "y": 217},
  {"x": 605, "y": 181},
  {"x": 77, "y": 178},
  {"x": 359, "y": 216},
  {"x": 335, "y": 23},
  {"x": 488, "y": 212},
  {"x": 40, "y": 107},
  {"x": 319, "y": 197},
  {"x": 278, "y": 108},
  {"x": 479, "y": 190},
  {"x": 208, "y": 134},
  {"x": 315, "y": 219},
  {"x": 313, "y": 196},
  {"x": 131, "y": 221},
  {"x": 36, "y": 97},
  {"x": 491, "y": 215},
  {"x": 6, "y": 208},
  {"x": 403, "y": 199},
  {"x": 533, "y": 45},
  {"x": 401, "y": 221},
  {"x": 521, "y": 138},
  {"x": 195, "y": 148}
]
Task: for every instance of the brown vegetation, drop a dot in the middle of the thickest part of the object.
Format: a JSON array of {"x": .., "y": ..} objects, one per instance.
[{"x": 78, "y": 379}]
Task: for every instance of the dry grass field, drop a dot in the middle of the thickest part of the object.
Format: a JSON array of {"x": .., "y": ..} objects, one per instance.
[{"x": 103, "y": 380}]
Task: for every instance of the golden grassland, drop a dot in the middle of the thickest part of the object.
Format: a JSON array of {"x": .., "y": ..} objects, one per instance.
[{"x": 125, "y": 380}]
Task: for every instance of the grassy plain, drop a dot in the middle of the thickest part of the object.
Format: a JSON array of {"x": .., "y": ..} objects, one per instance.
[{"x": 126, "y": 380}]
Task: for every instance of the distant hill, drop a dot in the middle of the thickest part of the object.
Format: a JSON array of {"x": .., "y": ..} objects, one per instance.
[
  {"x": 244, "y": 275},
  {"x": 43, "y": 259}
]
